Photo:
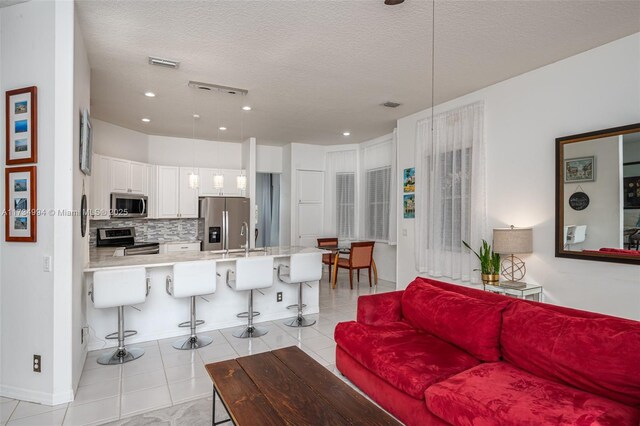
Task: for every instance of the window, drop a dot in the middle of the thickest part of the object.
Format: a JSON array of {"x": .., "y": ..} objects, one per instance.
[
  {"x": 378, "y": 189},
  {"x": 345, "y": 205},
  {"x": 455, "y": 180}
]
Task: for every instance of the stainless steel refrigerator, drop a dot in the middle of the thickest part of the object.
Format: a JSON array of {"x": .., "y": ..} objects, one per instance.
[{"x": 223, "y": 219}]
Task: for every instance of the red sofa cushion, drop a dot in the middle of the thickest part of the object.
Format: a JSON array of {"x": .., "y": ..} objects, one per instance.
[
  {"x": 501, "y": 394},
  {"x": 408, "y": 359},
  {"x": 410, "y": 411},
  {"x": 469, "y": 323},
  {"x": 599, "y": 355}
]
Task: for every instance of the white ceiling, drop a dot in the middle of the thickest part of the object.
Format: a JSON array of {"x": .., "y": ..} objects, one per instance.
[{"x": 317, "y": 68}]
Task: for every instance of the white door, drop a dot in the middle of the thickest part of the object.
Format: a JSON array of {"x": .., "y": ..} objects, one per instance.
[
  {"x": 120, "y": 171},
  {"x": 168, "y": 191},
  {"x": 310, "y": 209},
  {"x": 138, "y": 178},
  {"x": 188, "y": 199}
]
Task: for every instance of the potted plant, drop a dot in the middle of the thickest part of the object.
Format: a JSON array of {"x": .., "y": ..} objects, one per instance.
[{"x": 489, "y": 263}]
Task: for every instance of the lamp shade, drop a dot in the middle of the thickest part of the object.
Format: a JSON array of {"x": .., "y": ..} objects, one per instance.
[{"x": 513, "y": 240}]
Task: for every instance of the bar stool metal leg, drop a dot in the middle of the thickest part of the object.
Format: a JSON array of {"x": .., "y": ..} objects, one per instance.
[
  {"x": 121, "y": 354},
  {"x": 193, "y": 341},
  {"x": 299, "y": 321},
  {"x": 250, "y": 330}
]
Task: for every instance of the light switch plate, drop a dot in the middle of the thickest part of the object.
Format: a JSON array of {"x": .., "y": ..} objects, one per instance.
[
  {"x": 404, "y": 232},
  {"x": 46, "y": 264}
]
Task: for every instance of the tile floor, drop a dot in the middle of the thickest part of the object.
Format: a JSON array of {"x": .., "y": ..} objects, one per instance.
[{"x": 168, "y": 386}]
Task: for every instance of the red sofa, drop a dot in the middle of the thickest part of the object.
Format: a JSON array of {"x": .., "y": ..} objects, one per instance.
[{"x": 438, "y": 353}]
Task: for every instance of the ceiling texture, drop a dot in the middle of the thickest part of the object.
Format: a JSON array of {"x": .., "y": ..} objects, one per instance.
[{"x": 315, "y": 69}]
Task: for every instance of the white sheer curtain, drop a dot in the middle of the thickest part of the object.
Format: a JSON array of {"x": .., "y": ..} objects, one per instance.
[
  {"x": 378, "y": 196},
  {"x": 450, "y": 192},
  {"x": 341, "y": 194}
]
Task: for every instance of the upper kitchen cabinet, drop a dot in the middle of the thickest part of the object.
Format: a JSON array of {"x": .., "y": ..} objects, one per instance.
[
  {"x": 128, "y": 177},
  {"x": 188, "y": 197},
  {"x": 175, "y": 198},
  {"x": 229, "y": 188},
  {"x": 100, "y": 187}
]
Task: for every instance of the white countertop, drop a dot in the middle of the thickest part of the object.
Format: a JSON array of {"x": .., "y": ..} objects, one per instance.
[{"x": 103, "y": 259}]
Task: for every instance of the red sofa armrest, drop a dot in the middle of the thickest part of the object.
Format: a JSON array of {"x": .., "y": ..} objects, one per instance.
[{"x": 379, "y": 309}]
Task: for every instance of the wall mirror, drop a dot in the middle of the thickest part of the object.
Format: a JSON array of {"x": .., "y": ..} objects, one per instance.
[{"x": 598, "y": 195}]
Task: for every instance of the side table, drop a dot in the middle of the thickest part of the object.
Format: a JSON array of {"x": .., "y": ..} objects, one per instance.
[{"x": 531, "y": 290}]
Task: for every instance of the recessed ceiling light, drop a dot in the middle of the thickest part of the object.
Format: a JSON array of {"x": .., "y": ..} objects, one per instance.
[
  {"x": 222, "y": 128},
  {"x": 196, "y": 115},
  {"x": 146, "y": 120},
  {"x": 346, "y": 133},
  {"x": 150, "y": 94},
  {"x": 246, "y": 108}
]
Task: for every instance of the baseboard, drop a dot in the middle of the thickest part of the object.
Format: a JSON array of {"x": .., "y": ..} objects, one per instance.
[{"x": 39, "y": 397}]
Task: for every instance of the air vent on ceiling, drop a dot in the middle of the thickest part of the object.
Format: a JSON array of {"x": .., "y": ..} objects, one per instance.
[
  {"x": 167, "y": 63},
  {"x": 390, "y": 104},
  {"x": 217, "y": 88}
]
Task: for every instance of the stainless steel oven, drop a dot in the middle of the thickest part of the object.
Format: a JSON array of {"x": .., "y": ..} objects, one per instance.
[{"x": 128, "y": 205}]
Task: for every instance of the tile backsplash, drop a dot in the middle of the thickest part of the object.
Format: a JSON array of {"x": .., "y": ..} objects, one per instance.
[{"x": 150, "y": 230}]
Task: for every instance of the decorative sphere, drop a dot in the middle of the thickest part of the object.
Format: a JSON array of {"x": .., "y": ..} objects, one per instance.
[{"x": 513, "y": 269}]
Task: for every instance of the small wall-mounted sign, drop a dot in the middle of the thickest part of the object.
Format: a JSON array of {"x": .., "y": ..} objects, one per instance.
[{"x": 579, "y": 201}]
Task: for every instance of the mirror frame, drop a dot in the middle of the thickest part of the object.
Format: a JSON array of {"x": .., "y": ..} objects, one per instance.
[{"x": 560, "y": 144}]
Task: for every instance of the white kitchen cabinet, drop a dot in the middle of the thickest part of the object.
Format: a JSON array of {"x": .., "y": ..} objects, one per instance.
[
  {"x": 100, "y": 187},
  {"x": 152, "y": 191},
  {"x": 187, "y": 197},
  {"x": 168, "y": 191},
  {"x": 175, "y": 198},
  {"x": 120, "y": 173},
  {"x": 128, "y": 177},
  {"x": 138, "y": 178},
  {"x": 230, "y": 187},
  {"x": 182, "y": 247}
]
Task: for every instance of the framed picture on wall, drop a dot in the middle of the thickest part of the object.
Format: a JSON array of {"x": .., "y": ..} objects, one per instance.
[
  {"x": 409, "y": 181},
  {"x": 20, "y": 204},
  {"x": 580, "y": 169},
  {"x": 631, "y": 192},
  {"x": 21, "y": 120},
  {"x": 409, "y": 206},
  {"x": 86, "y": 138}
]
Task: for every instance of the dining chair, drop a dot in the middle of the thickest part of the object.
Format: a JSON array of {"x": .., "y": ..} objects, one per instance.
[
  {"x": 360, "y": 257},
  {"x": 327, "y": 259}
]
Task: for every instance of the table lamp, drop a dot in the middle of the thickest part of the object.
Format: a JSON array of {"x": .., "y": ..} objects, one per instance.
[{"x": 511, "y": 241}]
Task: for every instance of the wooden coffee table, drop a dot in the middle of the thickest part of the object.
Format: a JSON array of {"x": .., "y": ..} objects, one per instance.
[{"x": 287, "y": 387}]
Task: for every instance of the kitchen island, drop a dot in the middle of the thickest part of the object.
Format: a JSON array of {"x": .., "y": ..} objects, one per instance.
[{"x": 159, "y": 316}]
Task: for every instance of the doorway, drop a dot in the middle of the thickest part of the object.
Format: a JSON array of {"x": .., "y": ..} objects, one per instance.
[{"x": 268, "y": 209}]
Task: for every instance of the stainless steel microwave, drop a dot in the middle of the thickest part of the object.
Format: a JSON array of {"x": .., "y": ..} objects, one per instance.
[{"x": 128, "y": 205}]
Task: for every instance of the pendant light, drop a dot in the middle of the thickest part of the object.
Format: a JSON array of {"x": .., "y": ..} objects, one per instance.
[
  {"x": 241, "y": 179},
  {"x": 194, "y": 179},
  {"x": 218, "y": 178}
]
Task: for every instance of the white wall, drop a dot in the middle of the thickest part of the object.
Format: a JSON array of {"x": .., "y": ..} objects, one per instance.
[
  {"x": 170, "y": 151},
  {"x": 116, "y": 141},
  {"x": 37, "y": 49},
  {"x": 81, "y": 80},
  {"x": 603, "y": 215},
  {"x": 594, "y": 90},
  {"x": 268, "y": 159}
]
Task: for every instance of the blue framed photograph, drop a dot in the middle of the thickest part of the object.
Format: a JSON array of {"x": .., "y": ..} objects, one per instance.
[{"x": 21, "y": 114}]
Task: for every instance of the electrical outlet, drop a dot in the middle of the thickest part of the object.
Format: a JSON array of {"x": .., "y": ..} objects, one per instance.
[
  {"x": 37, "y": 361},
  {"x": 279, "y": 296},
  {"x": 83, "y": 332}
]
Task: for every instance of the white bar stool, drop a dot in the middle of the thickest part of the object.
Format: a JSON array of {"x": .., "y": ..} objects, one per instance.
[
  {"x": 120, "y": 288},
  {"x": 252, "y": 273},
  {"x": 191, "y": 279},
  {"x": 302, "y": 268}
]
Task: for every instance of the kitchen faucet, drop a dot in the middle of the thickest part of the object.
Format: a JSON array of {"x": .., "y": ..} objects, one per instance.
[{"x": 244, "y": 232}]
